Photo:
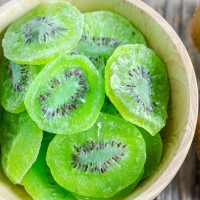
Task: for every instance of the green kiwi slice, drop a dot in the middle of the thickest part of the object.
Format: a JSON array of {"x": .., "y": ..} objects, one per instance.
[
  {"x": 21, "y": 140},
  {"x": 154, "y": 148},
  {"x": 137, "y": 84},
  {"x": 44, "y": 33},
  {"x": 100, "y": 161},
  {"x": 38, "y": 181},
  {"x": 16, "y": 80},
  {"x": 67, "y": 96},
  {"x": 103, "y": 32}
]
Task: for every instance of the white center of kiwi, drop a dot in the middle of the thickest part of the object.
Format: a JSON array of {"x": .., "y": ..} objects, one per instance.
[
  {"x": 139, "y": 86},
  {"x": 144, "y": 91},
  {"x": 67, "y": 89},
  {"x": 41, "y": 29},
  {"x": 65, "y": 93}
]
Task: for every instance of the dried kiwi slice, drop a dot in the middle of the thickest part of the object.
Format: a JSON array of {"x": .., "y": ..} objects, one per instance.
[
  {"x": 100, "y": 37},
  {"x": 16, "y": 80},
  {"x": 137, "y": 84},
  {"x": 100, "y": 161},
  {"x": 38, "y": 181},
  {"x": 67, "y": 96},
  {"x": 20, "y": 147},
  {"x": 44, "y": 33}
]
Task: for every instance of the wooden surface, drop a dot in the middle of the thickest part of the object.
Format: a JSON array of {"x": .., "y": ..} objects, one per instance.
[
  {"x": 186, "y": 184},
  {"x": 177, "y": 12}
]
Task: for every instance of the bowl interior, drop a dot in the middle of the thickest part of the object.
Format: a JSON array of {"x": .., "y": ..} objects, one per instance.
[{"x": 183, "y": 105}]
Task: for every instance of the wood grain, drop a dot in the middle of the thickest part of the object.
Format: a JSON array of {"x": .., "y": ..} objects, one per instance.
[
  {"x": 186, "y": 184},
  {"x": 183, "y": 104}
]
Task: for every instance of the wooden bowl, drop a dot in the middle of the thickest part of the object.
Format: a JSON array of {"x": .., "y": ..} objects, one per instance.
[{"x": 183, "y": 106}]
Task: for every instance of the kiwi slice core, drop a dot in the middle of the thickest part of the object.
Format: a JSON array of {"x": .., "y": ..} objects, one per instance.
[{"x": 41, "y": 29}]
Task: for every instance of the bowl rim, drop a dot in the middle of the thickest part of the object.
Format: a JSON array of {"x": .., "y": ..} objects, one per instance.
[{"x": 188, "y": 135}]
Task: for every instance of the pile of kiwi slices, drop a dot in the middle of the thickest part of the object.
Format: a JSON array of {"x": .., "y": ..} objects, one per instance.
[{"x": 83, "y": 101}]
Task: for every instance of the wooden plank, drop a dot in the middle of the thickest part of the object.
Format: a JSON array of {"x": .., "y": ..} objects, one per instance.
[{"x": 186, "y": 184}]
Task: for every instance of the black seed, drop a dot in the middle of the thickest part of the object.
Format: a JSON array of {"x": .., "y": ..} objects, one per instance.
[
  {"x": 103, "y": 170},
  {"x": 122, "y": 154},
  {"x": 44, "y": 38},
  {"x": 130, "y": 74},
  {"x": 53, "y": 33},
  {"x": 114, "y": 158},
  {"x": 155, "y": 104},
  {"x": 92, "y": 146},
  {"x": 63, "y": 111},
  {"x": 113, "y": 143},
  {"x": 69, "y": 107},
  {"x": 124, "y": 146},
  {"x": 86, "y": 167},
  {"x": 74, "y": 165},
  {"x": 42, "y": 98},
  {"x": 76, "y": 148}
]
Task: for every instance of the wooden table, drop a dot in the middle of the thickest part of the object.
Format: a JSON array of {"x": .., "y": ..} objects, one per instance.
[{"x": 186, "y": 184}]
